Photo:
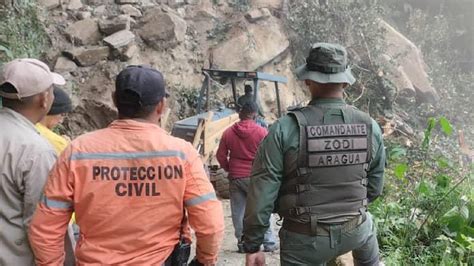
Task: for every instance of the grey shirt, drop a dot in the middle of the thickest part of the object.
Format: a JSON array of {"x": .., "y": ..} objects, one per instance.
[{"x": 25, "y": 161}]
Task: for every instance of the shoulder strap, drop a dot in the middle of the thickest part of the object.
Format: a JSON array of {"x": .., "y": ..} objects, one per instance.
[
  {"x": 302, "y": 153},
  {"x": 304, "y": 116}
]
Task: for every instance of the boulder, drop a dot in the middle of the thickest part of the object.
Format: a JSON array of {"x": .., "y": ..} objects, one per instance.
[
  {"x": 99, "y": 2},
  {"x": 409, "y": 60},
  {"x": 90, "y": 114},
  {"x": 396, "y": 74},
  {"x": 88, "y": 56},
  {"x": 272, "y": 4},
  {"x": 99, "y": 10},
  {"x": 176, "y": 3},
  {"x": 193, "y": 2},
  {"x": 162, "y": 28},
  {"x": 127, "y": 52},
  {"x": 120, "y": 39},
  {"x": 84, "y": 32},
  {"x": 123, "y": 2},
  {"x": 63, "y": 64},
  {"x": 84, "y": 15},
  {"x": 148, "y": 3},
  {"x": 110, "y": 26},
  {"x": 258, "y": 14},
  {"x": 49, "y": 4},
  {"x": 252, "y": 47},
  {"x": 201, "y": 14},
  {"x": 74, "y": 5},
  {"x": 5, "y": 4},
  {"x": 131, "y": 11}
]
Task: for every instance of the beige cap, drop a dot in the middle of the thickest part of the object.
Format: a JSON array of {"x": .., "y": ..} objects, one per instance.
[{"x": 29, "y": 77}]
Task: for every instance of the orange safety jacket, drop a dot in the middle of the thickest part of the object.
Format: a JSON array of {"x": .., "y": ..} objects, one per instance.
[{"x": 128, "y": 184}]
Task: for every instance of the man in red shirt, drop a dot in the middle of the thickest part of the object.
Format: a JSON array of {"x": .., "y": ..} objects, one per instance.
[{"x": 236, "y": 152}]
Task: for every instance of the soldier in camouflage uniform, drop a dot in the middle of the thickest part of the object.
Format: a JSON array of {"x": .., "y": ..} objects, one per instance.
[{"x": 318, "y": 168}]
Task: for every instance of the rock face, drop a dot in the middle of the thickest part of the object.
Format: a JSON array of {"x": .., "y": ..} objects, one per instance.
[
  {"x": 88, "y": 56},
  {"x": 253, "y": 47},
  {"x": 84, "y": 32},
  {"x": 120, "y": 39},
  {"x": 410, "y": 63},
  {"x": 179, "y": 37},
  {"x": 163, "y": 29}
]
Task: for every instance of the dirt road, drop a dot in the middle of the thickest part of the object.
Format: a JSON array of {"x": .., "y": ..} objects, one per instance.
[{"x": 228, "y": 255}]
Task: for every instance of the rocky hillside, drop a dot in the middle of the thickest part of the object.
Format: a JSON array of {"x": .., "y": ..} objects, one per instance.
[{"x": 92, "y": 40}]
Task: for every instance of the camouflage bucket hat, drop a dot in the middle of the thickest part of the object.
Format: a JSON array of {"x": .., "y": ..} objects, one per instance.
[{"x": 326, "y": 63}]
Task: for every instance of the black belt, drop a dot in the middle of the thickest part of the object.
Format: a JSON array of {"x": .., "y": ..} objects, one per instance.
[{"x": 322, "y": 229}]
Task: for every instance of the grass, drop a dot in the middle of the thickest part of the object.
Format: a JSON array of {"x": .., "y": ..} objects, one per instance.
[{"x": 22, "y": 33}]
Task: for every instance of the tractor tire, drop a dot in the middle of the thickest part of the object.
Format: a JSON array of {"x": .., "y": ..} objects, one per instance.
[{"x": 220, "y": 182}]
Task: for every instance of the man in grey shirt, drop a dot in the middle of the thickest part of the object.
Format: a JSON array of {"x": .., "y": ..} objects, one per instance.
[{"x": 26, "y": 93}]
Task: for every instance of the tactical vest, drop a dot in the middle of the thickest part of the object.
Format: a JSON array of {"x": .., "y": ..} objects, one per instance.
[{"x": 326, "y": 180}]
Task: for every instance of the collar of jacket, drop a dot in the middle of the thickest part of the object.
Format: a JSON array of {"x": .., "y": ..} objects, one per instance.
[
  {"x": 133, "y": 125},
  {"x": 325, "y": 101},
  {"x": 18, "y": 117}
]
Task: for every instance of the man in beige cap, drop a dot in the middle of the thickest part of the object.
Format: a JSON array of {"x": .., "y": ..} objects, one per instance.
[{"x": 26, "y": 93}]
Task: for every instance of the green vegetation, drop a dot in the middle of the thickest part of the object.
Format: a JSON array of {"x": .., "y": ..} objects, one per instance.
[
  {"x": 434, "y": 35},
  {"x": 187, "y": 100},
  {"x": 219, "y": 32},
  {"x": 426, "y": 216},
  {"x": 22, "y": 33},
  {"x": 240, "y": 5},
  {"x": 352, "y": 24}
]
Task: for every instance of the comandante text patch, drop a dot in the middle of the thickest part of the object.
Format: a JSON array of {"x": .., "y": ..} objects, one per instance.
[
  {"x": 127, "y": 178},
  {"x": 337, "y": 145},
  {"x": 336, "y": 130}
]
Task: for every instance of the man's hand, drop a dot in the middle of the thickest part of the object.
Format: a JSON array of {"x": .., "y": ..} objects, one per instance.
[{"x": 255, "y": 259}]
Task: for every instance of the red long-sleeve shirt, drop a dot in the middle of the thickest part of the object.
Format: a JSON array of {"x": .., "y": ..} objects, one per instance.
[{"x": 238, "y": 147}]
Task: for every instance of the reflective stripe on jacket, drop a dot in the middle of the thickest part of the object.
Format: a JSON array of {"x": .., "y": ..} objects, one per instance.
[{"x": 127, "y": 184}]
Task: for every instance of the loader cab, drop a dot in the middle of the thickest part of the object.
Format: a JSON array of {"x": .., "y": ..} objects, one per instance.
[{"x": 251, "y": 78}]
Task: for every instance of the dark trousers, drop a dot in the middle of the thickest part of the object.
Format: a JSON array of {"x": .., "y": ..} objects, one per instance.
[
  {"x": 238, "y": 199},
  {"x": 299, "y": 249}
]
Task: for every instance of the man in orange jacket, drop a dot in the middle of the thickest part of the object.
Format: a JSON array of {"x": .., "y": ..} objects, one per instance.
[{"x": 128, "y": 184}]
